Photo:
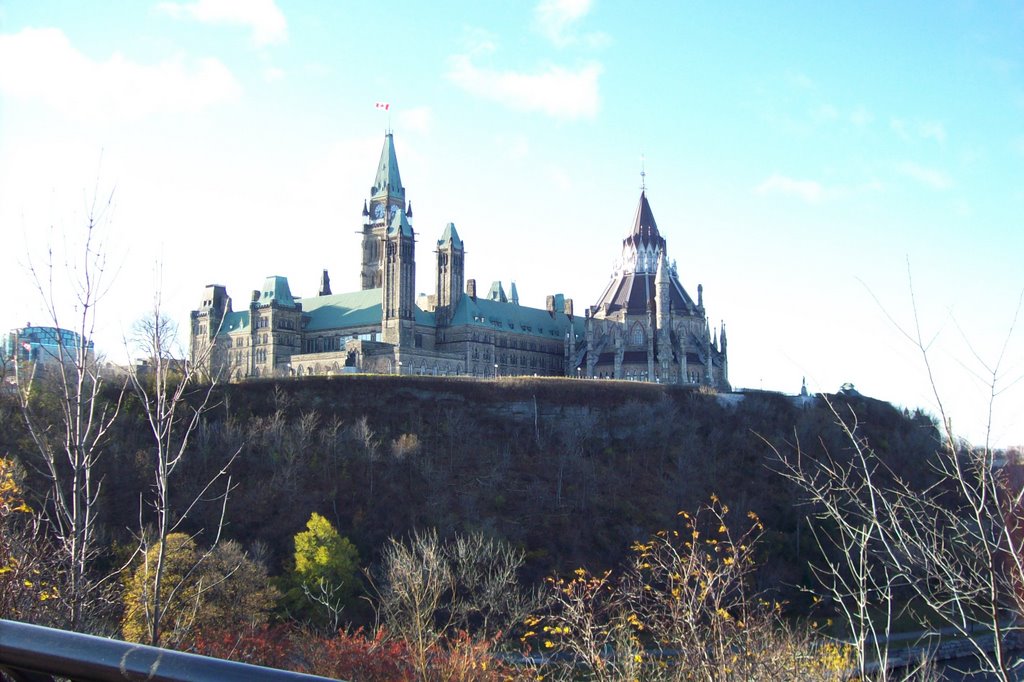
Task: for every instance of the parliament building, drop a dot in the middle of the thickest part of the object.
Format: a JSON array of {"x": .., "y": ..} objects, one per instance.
[{"x": 644, "y": 326}]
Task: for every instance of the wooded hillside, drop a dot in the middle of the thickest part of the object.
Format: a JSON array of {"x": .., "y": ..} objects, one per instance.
[{"x": 570, "y": 471}]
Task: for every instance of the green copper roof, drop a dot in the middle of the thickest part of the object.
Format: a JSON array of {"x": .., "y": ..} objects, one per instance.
[
  {"x": 497, "y": 292},
  {"x": 353, "y": 309},
  {"x": 276, "y": 290},
  {"x": 517, "y": 319},
  {"x": 235, "y": 321},
  {"x": 423, "y": 317},
  {"x": 400, "y": 224},
  {"x": 450, "y": 234},
  {"x": 388, "y": 181}
]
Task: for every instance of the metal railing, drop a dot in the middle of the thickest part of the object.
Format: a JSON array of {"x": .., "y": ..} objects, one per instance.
[{"x": 32, "y": 653}]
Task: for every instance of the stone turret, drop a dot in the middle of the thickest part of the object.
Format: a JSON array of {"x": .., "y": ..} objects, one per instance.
[
  {"x": 664, "y": 319},
  {"x": 399, "y": 282},
  {"x": 450, "y": 273}
]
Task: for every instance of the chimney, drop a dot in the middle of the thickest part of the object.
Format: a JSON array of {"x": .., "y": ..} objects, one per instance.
[
  {"x": 551, "y": 306},
  {"x": 255, "y": 295},
  {"x": 568, "y": 307},
  {"x": 471, "y": 288}
]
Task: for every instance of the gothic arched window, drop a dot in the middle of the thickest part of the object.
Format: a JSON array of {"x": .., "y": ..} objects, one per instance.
[{"x": 637, "y": 335}]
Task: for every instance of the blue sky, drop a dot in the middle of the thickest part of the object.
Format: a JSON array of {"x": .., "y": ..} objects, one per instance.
[{"x": 803, "y": 160}]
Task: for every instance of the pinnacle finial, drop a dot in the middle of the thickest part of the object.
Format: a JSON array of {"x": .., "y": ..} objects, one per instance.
[{"x": 643, "y": 173}]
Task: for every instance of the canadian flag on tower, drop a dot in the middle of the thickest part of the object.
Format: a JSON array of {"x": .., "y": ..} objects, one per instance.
[{"x": 383, "y": 105}]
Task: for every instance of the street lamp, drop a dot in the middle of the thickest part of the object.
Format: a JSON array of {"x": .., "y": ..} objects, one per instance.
[
  {"x": 495, "y": 370},
  {"x": 578, "y": 375},
  {"x": 399, "y": 368}
]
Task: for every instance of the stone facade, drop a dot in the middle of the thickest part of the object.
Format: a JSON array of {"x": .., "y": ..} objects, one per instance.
[
  {"x": 384, "y": 328},
  {"x": 645, "y": 326}
]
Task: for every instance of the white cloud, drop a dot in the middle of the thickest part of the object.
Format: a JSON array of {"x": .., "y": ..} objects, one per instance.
[
  {"x": 272, "y": 74},
  {"x": 516, "y": 147},
  {"x": 415, "y": 119},
  {"x": 555, "y": 19},
  {"x": 827, "y": 112},
  {"x": 41, "y": 64},
  {"x": 899, "y": 126},
  {"x": 556, "y": 91},
  {"x": 861, "y": 116},
  {"x": 799, "y": 80},
  {"x": 479, "y": 41},
  {"x": 810, "y": 191},
  {"x": 932, "y": 130},
  {"x": 924, "y": 130},
  {"x": 262, "y": 17},
  {"x": 929, "y": 177},
  {"x": 559, "y": 177}
]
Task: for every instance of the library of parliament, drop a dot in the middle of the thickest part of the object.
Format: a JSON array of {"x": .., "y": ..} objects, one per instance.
[{"x": 644, "y": 326}]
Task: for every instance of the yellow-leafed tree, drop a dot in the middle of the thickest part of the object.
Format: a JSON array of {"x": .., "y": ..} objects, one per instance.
[
  {"x": 216, "y": 589},
  {"x": 27, "y": 584},
  {"x": 324, "y": 578}
]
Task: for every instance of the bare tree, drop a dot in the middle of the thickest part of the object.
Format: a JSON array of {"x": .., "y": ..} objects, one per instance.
[
  {"x": 852, "y": 540},
  {"x": 416, "y": 579},
  {"x": 330, "y": 600},
  {"x": 954, "y": 544},
  {"x": 70, "y": 445},
  {"x": 430, "y": 589},
  {"x": 489, "y": 600},
  {"x": 173, "y": 401},
  {"x": 366, "y": 437}
]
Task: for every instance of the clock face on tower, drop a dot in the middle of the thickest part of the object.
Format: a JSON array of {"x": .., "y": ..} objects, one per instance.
[
  {"x": 378, "y": 211},
  {"x": 394, "y": 210}
]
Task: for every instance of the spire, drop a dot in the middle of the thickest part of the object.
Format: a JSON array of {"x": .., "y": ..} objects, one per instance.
[
  {"x": 450, "y": 235},
  {"x": 513, "y": 294},
  {"x": 366, "y": 212},
  {"x": 388, "y": 182},
  {"x": 325, "y": 284},
  {"x": 662, "y": 271},
  {"x": 644, "y": 228}
]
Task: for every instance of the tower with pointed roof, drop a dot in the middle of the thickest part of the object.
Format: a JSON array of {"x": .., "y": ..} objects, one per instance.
[
  {"x": 645, "y": 326},
  {"x": 398, "y": 282},
  {"x": 451, "y": 273},
  {"x": 387, "y": 199}
]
